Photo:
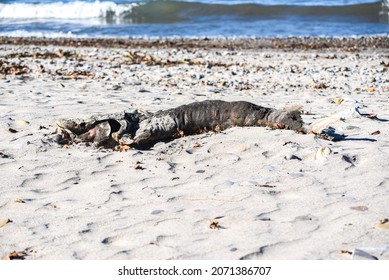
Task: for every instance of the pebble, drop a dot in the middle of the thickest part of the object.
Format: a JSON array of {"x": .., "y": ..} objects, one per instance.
[
  {"x": 22, "y": 122},
  {"x": 292, "y": 156},
  {"x": 296, "y": 175},
  {"x": 241, "y": 149},
  {"x": 228, "y": 183},
  {"x": 156, "y": 212}
]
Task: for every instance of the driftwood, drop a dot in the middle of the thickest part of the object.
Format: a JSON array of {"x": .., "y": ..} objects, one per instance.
[{"x": 136, "y": 129}]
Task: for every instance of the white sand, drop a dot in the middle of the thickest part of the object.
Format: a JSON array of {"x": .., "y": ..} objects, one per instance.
[{"x": 83, "y": 203}]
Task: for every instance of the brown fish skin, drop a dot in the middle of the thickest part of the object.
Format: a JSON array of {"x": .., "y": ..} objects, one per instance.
[{"x": 210, "y": 115}]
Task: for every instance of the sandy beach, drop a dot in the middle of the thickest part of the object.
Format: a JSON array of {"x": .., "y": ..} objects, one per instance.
[{"x": 242, "y": 193}]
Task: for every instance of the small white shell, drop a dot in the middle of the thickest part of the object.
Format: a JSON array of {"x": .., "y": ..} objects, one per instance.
[
  {"x": 4, "y": 222},
  {"x": 322, "y": 152},
  {"x": 383, "y": 224},
  {"x": 337, "y": 100}
]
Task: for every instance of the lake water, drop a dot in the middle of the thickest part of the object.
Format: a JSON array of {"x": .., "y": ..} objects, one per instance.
[{"x": 186, "y": 18}]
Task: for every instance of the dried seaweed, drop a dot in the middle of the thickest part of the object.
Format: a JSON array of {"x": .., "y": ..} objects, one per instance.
[
  {"x": 137, "y": 57},
  {"x": 12, "y": 68},
  {"x": 76, "y": 74},
  {"x": 45, "y": 55}
]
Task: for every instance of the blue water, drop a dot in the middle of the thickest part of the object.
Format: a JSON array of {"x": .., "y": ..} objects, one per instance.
[{"x": 193, "y": 18}]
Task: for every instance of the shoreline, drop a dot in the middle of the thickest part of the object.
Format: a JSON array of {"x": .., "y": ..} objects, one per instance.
[{"x": 289, "y": 43}]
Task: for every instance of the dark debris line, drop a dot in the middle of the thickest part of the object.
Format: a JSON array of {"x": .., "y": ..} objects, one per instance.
[{"x": 304, "y": 43}]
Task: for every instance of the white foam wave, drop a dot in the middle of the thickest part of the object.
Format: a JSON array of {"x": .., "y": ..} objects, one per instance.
[
  {"x": 24, "y": 33},
  {"x": 59, "y": 10}
]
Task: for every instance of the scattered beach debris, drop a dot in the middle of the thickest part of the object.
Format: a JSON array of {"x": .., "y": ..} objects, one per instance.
[
  {"x": 337, "y": 100},
  {"x": 45, "y": 55},
  {"x": 214, "y": 223},
  {"x": 320, "y": 86},
  {"x": 383, "y": 224},
  {"x": 12, "y": 68},
  {"x": 262, "y": 218},
  {"x": 138, "y": 57},
  {"x": 372, "y": 116},
  {"x": 42, "y": 127},
  {"x": 386, "y": 64},
  {"x": 290, "y": 143},
  {"x": 21, "y": 255},
  {"x": 266, "y": 186},
  {"x": 288, "y": 43},
  {"x": 138, "y": 165},
  {"x": 359, "y": 208},
  {"x": 304, "y": 218},
  {"x": 4, "y": 155},
  {"x": 22, "y": 122},
  {"x": 123, "y": 147},
  {"x": 292, "y": 156},
  {"x": 362, "y": 255},
  {"x": 323, "y": 125},
  {"x": 322, "y": 152},
  {"x": 256, "y": 254},
  {"x": 4, "y": 222},
  {"x": 345, "y": 252},
  {"x": 349, "y": 159},
  {"x": 331, "y": 134},
  {"x": 76, "y": 74},
  {"x": 377, "y": 132}
]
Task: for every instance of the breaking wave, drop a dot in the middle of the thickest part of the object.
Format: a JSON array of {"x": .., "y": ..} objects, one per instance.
[
  {"x": 175, "y": 11},
  {"x": 69, "y": 10}
]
